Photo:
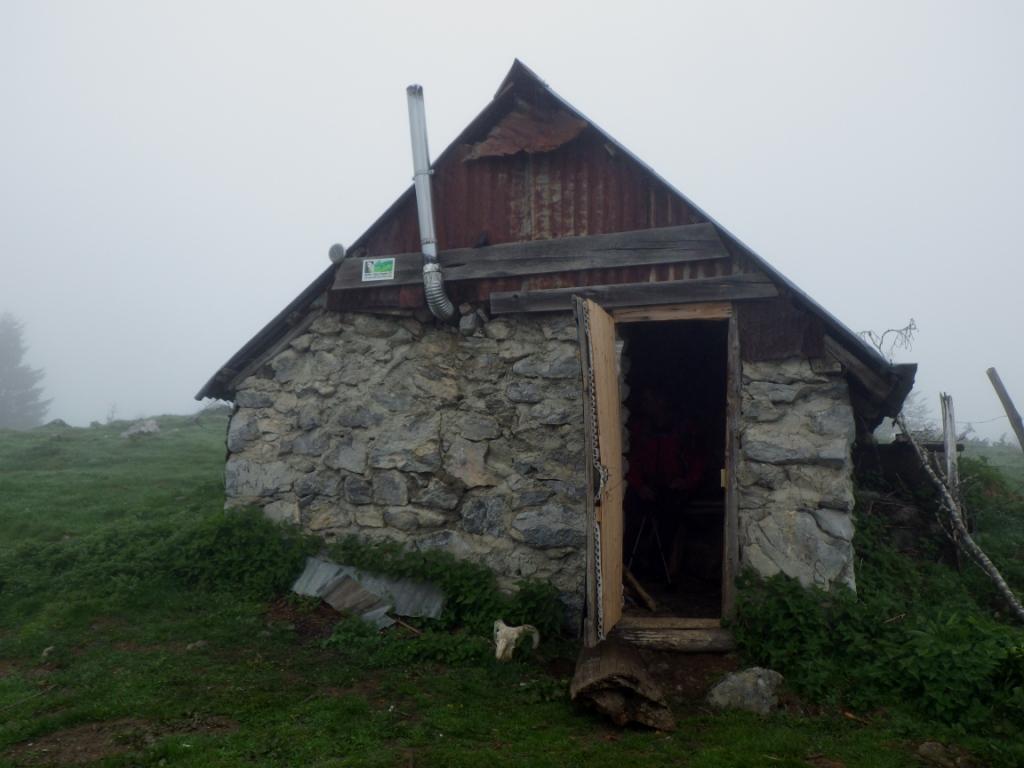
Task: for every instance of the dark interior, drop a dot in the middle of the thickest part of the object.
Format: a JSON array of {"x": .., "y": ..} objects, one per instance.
[{"x": 674, "y": 502}]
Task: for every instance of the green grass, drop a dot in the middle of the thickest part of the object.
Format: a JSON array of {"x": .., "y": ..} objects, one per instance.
[{"x": 113, "y": 556}]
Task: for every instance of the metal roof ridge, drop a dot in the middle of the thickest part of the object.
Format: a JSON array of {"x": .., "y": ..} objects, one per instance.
[
  {"x": 875, "y": 356},
  {"x": 217, "y": 384}
]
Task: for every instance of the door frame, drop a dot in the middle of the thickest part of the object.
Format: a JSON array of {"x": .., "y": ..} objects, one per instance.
[{"x": 730, "y": 556}]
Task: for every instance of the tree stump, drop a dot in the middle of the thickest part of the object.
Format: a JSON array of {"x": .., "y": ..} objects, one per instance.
[{"x": 613, "y": 679}]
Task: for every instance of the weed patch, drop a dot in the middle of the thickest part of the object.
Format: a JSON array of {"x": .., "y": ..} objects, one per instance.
[
  {"x": 918, "y": 637},
  {"x": 239, "y": 551},
  {"x": 473, "y": 599}
]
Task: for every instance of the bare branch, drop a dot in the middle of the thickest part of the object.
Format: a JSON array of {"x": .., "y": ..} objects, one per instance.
[
  {"x": 960, "y": 535},
  {"x": 892, "y": 339}
]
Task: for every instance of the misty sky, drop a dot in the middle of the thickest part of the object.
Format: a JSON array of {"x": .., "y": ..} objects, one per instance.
[{"x": 173, "y": 173}]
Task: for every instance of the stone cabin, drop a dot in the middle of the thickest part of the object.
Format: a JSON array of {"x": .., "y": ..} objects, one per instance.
[{"x": 593, "y": 302}]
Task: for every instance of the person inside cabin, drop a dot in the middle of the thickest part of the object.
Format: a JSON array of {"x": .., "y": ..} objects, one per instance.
[
  {"x": 666, "y": 466},
  {"x": 664, "y": 451}
]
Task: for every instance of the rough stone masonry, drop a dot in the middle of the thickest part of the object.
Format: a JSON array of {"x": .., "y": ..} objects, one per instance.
[
  {"x": 470, "y": 439},
  {"x": 796, "y": 473},
  {"x": 388, "y": 427}
]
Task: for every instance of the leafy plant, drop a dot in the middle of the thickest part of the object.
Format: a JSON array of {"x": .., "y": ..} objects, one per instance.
[
  {"x": 473, "y": 599},
  {"x": 237, "y": 550},
  {"x": 363, "y": 645},
  {"x": 242, "y": 550},
  {"x": 917, "y": 636}
]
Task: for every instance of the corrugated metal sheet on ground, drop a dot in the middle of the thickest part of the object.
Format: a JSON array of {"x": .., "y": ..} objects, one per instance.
[
  {"x": 348, "y": 589},
  {"x": 409, "y": 598},
  {"x": 317, "y": 574},
  {"x": 346, "y": 595}
]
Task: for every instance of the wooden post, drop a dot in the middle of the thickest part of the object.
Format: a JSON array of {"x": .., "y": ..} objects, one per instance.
[
  {"x": 949, "y": 445},
  {"x": 1011, "y": 412},
  {"x": 952, "y": 467}
]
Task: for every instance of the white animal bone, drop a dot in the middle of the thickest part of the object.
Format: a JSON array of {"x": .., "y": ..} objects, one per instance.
[{"x": 506, "y": 639}]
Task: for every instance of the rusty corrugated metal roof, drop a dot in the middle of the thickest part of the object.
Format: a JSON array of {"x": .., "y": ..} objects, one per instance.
[{"x": 568, "y": 178}]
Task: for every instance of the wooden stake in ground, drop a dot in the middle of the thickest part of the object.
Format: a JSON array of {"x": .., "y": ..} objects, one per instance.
[
  {"x": 952, "y": 467},
  {"x": 949, "y": 445},
  {"x": 1011, "y": 412}
]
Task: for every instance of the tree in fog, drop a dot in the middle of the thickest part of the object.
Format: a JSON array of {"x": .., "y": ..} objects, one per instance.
[{"x": 21, "y": 403}]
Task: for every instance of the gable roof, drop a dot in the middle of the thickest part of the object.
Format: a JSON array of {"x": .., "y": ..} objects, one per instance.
[{"x": 896, "y": 379}]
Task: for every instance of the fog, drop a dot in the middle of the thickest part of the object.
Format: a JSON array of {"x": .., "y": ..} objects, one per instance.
[{"x": 172, "y": 174}]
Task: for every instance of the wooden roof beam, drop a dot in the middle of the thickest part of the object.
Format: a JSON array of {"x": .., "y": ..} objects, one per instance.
[
  {"x": 663, "y": 245},
  {"x": 728, "y": 288}
]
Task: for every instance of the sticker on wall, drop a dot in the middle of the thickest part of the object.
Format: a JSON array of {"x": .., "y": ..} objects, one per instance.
[{"x": 378, "y": 269}]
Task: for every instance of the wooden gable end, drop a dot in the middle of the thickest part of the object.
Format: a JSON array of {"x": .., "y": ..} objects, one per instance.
[{"x": 528, "y": 170}]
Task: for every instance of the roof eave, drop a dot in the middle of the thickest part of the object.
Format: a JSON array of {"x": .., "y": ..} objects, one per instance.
[{"x": 222, "y": 384}]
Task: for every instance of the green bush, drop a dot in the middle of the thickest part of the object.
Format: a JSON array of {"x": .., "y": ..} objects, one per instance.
[
  {"x": 473, "y": 599},
  {"x": 240, "y": 551},
  {"x": 833, "y": 648},
  {"x": 362, "y": 645},
  {"x": 918, "y": 636}
]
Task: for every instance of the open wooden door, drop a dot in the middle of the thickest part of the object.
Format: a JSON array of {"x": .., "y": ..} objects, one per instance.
[{"x": 606, "y": 482}]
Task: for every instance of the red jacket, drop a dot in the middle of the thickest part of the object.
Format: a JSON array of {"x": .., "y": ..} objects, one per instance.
[{"x": 662, "y": 459}]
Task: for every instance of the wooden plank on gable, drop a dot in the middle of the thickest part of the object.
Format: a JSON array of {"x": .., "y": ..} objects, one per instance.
[
  {"x": 774, "y": 329},
  {"x": 727, "y": 288},
  {"x": 645, "y": 247}
]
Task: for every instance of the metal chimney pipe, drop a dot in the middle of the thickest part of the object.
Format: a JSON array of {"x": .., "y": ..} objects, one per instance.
[{"x": 433, "y": 281}]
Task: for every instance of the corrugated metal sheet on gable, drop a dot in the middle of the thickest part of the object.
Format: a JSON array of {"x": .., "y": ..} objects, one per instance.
[{"x": 590, "y": 185}]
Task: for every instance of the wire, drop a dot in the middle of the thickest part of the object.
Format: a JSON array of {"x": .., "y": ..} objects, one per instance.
[{"x": 986, "y": 421}]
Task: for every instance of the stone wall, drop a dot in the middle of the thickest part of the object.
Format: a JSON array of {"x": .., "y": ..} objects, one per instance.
[
  {"x": 796, "y": 474},
  {"x": 466, "y": 439},
  {"x": 470, "y": 439}
]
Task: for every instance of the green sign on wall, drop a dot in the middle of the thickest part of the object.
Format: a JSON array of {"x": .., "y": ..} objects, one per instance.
[{"x": 378, "y": 269}]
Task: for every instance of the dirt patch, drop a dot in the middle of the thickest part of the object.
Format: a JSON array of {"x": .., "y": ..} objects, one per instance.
[
  {"x": 106, "y": 623},
  {"x": 686, "y": 678},
  {"x": 96, "y": 741},
  {"x": 311, "y": 624},
  {"x": 820, "y": 761},
  {"x": 128, "y": 646},
  {"x": 367, "y": 685},
  {"x": 560, "y": 667}
]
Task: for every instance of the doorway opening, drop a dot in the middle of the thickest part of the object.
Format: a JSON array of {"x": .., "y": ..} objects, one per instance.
[{"x": 675, "y": 376}]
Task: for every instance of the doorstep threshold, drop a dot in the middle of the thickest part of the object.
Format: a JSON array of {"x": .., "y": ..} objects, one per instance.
[
  {"x": 640, "y": 621},
  {"x": 669, "y": 633}
]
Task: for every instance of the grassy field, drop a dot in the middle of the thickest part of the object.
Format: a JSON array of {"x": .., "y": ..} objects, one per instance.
[
  {"x": 1006, "y": 457},
  {"x": 134, "y": 631}
]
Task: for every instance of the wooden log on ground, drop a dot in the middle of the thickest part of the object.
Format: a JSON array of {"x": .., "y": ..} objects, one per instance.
[
  {"x": 636, "y": 587},
  {"x": 613, "y": 679}
]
